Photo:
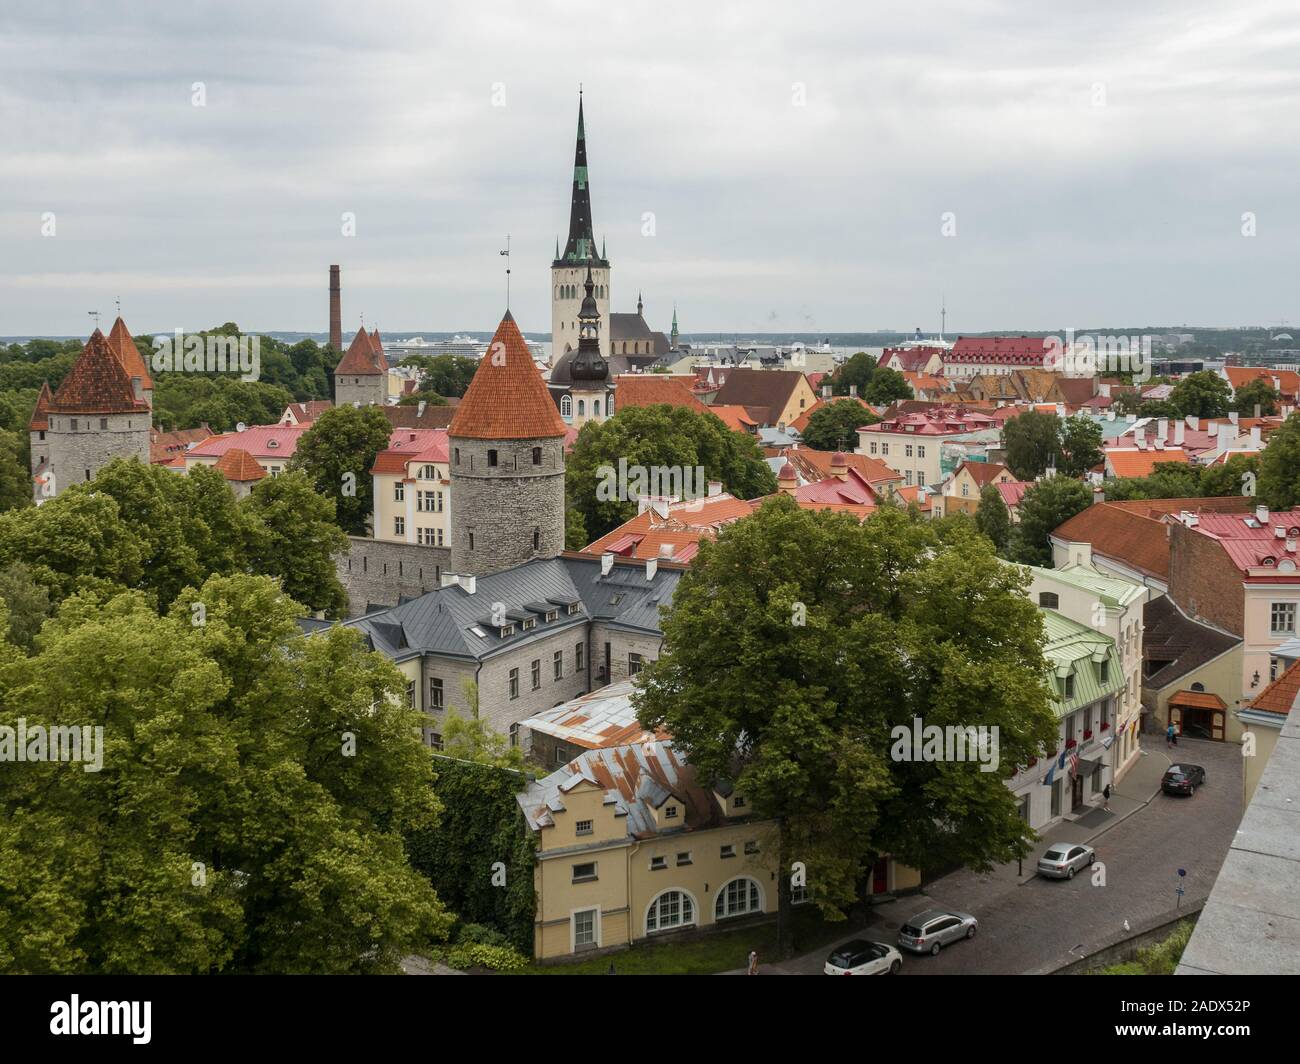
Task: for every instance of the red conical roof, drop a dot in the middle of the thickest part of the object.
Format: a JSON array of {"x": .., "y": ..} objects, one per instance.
[
  {"x": 507, "y": 399},
  {"x": 97, "y": 384},
  {"x": 119, "y": 339},
  {"x": 41, "y": 415},
  {"x": 361, "y": 357},
  {"x": 240, "y": 466}
]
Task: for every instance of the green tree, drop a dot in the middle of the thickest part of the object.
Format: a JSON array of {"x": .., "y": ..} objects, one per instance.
[
  {"x": 471, "y": 739},
  {"x": 26, "y": 604},
  {"x": 337, "y": 454},
  {"x": 1279, "y": 467},
  {"x": 787, "y": 672},
  {"x": 1236, "y": 476},
  {"x": 992, "y": 517},
  {"x": 1046, "y": 506},
  {"x": 1204, "y": 394},
  {"x": 1080, "y": 445},
  {"x": 15, "y": 479},
  {"x": 221, "y": 833},
  {"x": 856, "y": 371},
  {"x": 443, "y": 375},
  {"x": 291, "y": 533},
  {"x": 834, "y": 426},
  {"x": 1033, "y": 444},
  {"x": 663, "y": 436},
  {"x": 1258, "y": 392},
  {"x": 886, "y": 386}
]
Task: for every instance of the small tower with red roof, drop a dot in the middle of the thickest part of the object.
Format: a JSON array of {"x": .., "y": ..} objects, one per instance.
[
  {"x": 361, "y": 377},
  {"x": 507, "y": 463}
]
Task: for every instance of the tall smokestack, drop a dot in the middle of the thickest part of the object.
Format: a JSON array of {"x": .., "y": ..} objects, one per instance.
[{"x": 336, "y": 310}]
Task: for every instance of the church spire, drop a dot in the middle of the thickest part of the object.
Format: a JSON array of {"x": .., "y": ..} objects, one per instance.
[
  {"x": 672, "y": 336},
  {"x": 581, "y": 245}
]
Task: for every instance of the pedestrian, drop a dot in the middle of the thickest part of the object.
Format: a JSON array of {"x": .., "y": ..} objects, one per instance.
[
  {"x": 611, "y": 969},
  {"x": 753, "y": 962},
  {"x": 1105, "y": 797},
  {"x": 1170, "y": 734}
]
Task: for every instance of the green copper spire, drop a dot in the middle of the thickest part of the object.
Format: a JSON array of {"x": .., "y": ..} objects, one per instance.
[{"x": 581, "y": 245}]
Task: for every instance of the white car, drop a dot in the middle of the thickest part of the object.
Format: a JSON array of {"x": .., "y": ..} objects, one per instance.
[{"x": 861, "y": 957}]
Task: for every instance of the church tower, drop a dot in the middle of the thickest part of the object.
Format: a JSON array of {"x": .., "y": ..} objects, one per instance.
[
  {"x": 569, "y": 267},
  {"x": 591, "y": 393},
  {"x": 361, "y": 377},
  {"x": 507, "y": 463}
]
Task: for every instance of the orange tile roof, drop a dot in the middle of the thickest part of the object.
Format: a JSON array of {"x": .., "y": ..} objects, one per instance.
[
  {"x": 361, "y": 357},
  {"x": 983, "y": 472},
  {"x": 1287, "y": 379},
  {"x": 1282, "y": 695},
  {"x": 1136, "y": 463},
  {"x": 685, "y": 525},
  {"x": 1197, "y": 700},
  {"x": 41, "y": 415},
  {"x": 816, "y": 465},
  {"x": 240, "y": 466},
  {"x": 651, "y": 389},
  {"x": 97, "y": 384},
  {"x": 119, "y": 339},
  {"x": 734, "y": 417},
  {"x": 507, "y": 399}
]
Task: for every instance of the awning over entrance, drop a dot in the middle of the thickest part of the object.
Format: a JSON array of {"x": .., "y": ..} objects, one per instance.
[{"x": 1197, "y": 700}]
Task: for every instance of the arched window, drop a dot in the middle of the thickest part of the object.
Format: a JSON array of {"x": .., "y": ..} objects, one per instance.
[
  {"x": 670, "y": 910},
  {"x": 1049, "y": 600},
  {"x": 582, "y": 408},
  {"x": 566, "y": 406},
  {"x": 595, "y": 408},
  {"x": 537, "y": 456},
  {"x": 737, "y": 898},
  {"x": 609, "y": 404}
]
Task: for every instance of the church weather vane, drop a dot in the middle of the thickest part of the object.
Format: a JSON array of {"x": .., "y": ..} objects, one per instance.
[
  {"x": 94, "y": 314},
  {"x": 506, "y": 253}
]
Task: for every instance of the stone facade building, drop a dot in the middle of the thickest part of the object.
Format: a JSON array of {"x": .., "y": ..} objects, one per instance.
[
  {"x": 507, "y": 462},
  {"x": 101, "y": 411},
  {"x": 361, "y": 377}
]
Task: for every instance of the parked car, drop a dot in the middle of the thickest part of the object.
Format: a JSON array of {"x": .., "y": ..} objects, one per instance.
[
  {"x": 930, "y": 931},
  {"x": 861, "y": 957},
  {"x": 1063, "y": 859},
  {"x": 1182, "y": 779}
]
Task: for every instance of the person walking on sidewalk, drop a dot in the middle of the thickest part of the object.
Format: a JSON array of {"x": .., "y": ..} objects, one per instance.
[
  {"x": 1171, "y": 736},
  {"x": 1105, "y": 797},
  {"x": 753, "y": 962}
]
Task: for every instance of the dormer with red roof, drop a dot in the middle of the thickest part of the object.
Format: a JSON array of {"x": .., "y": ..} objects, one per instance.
[{"x": 507, "y": 462}]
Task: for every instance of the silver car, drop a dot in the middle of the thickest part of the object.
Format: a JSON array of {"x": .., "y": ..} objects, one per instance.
[
  {"x": 1063, "y": 859},
  {"x": 930, "y": 931}
]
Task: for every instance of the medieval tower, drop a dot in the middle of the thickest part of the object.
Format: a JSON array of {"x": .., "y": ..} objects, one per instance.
[
  {"x": 101, "y": 411},
  {"x": 361, "y": 377},
  {"x": 507, "y": 462},
  {"x": 570, "y": 267}
]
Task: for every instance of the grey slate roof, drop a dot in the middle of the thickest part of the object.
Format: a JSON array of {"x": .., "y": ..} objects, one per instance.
[
  {"x": 443, "y": 621},
  {"x": 1183, "y": 644}
]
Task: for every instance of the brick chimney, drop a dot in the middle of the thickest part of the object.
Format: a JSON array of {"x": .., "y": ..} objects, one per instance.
[{"x": 336, "y": 310}]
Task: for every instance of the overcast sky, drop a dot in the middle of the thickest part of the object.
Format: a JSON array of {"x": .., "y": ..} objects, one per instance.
[{"x": 798, "y": 160}]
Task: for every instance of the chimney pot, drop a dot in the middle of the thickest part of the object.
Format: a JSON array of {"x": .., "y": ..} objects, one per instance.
[
  {"x": 1261, "y": 514},
  {"x": 651, "y": 567},
  {"x": 606, "y": 563}
]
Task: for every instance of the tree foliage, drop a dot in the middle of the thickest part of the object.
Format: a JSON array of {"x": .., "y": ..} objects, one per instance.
[
  {"x": 337, "y": 454},
  {"x": 663, "y": 436},
  {"x": 992, "y": 517},
  {"x": 1046, "y": 505},
  {"x": 256, "y": 789},
  {"x": 834, "y": 426},
  {"x": 1279, "y": 466},
  {"x": 786, "y": 671},
  {"x": 1204, "y": 394},
  {"x": 1033, "y": 444}
]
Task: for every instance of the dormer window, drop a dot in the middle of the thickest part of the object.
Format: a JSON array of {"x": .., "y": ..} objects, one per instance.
[
  {"x": 670, "y": 812},
  {"x": 552, "y": 615},
  {"x": 507, "y": 630},
  {"x": 739, "y": 801},
  {"x": 529, "y": 622},
  {"x": 272, "y": 444},
  {"x": 572, "y": 608}
]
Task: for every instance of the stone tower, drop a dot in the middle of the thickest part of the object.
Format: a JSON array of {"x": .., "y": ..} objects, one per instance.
[
  {"x": 507, "y": 463},
  {"x": 570, "y": 267},
  {"x": 361, "y": 377},
  {"x": 99, "y": 413},
  {"x": 591, "y": 392}
]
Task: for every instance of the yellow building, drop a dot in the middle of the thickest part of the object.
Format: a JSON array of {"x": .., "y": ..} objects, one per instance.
[
  {"x": 630, "y": 847},
  {"x": 412, "y": 489}
]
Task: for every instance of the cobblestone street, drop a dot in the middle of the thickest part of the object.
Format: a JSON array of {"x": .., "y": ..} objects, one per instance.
[{"x": 1028, "y": 924}]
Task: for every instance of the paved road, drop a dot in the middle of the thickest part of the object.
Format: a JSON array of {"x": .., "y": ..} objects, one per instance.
[{"x": 1031, "y": 923}]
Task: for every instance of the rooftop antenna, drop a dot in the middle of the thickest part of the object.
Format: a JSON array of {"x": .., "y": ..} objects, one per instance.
[
  {"x": 943, "y": 315},
  {"x": 118, "y": 302},
  {"x": 506, "y": 253},
  {"x": 94, "y": 314}
]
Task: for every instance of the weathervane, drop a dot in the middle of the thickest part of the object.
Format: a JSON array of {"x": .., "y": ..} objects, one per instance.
[
  {"x": 506, "y": 253},
  {"x": 94, "y": 314}
]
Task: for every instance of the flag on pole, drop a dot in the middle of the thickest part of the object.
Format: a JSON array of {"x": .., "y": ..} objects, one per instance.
[{"x": 1074, "y": 763}]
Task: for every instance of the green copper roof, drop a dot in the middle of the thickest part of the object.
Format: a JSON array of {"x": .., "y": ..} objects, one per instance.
[
  {"x": 581, "y": 245},
  {"x": 1074, "y": 649},
  {"x": 1110, "y": 590}
]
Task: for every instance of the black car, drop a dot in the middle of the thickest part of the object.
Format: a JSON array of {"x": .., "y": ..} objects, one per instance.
[{"x": 1182, "y": 779}]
